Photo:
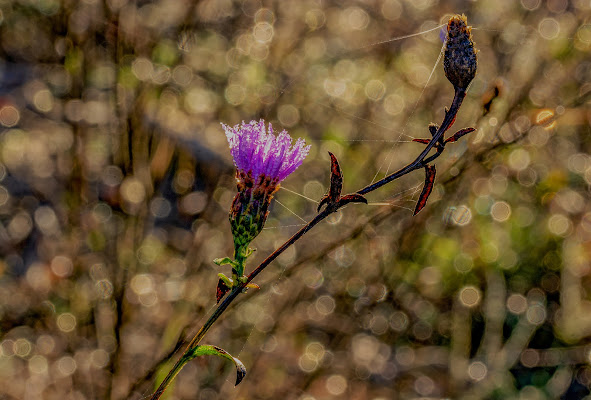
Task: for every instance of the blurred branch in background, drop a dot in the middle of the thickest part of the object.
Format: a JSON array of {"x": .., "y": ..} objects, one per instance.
[{"x": 115, "y": 183}]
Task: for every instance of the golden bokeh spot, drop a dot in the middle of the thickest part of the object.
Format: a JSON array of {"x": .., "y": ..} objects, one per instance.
[
  {"x": 132, "y": 190},
  {"x": 336, "y": 385},
  {"x": 477, "y": 370},
  {"x": 470, "y": 296},
  {"x": 545, "y": 118},
  {"x": 9, "y": 116},
  {"x": 66, "y": 322},
  {"x": 517, "y": 303}
]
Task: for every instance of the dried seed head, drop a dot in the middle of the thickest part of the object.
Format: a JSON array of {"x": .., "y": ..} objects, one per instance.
[{"x": 460, "y": 61}]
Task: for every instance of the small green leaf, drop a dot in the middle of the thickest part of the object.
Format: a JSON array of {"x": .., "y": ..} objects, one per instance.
[
  {"x": 226, "y": 280},
  {"x": 223, "y": 261},
  {"x": 249, "y": 252},
  {"x": 209, "y": 350}
]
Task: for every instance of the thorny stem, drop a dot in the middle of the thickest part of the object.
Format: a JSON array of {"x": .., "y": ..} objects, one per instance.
[{"x": 418, "y": 163}]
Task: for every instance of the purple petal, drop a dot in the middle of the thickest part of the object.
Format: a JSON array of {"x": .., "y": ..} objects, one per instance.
[{"x": 261, "y": 153}]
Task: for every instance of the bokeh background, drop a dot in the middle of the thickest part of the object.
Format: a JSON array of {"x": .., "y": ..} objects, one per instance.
[{"x": 116, "y": 179}]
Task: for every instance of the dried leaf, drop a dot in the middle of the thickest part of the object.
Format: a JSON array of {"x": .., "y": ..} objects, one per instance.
[
  {"x": 433, "y": 129},
  {"x": 429, "y": 182},
  {"x": 459, "y": 134},
  {"x": 336, "y": 179},
  {"x": 221, "y": 290},
  {"x": 352, "y": 198},
  {"x": 324, "y": 200},
  {"x": 336, "y": 184},
  {"x": 424, "y": 141}
]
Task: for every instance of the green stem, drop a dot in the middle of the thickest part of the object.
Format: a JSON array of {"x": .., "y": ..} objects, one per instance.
[
  {"x": 170, "y": 377},
  {"x": 196, "y": 340},
  {"x": 240, "y": 258},
  {"x": 228, "y": 300}
]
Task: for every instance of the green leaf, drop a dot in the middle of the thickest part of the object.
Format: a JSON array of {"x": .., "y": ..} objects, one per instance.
[
  {"x": 209, "y": 350},
  {"x": 249, "y": 252},
  {"x": 224, "y": 261}
]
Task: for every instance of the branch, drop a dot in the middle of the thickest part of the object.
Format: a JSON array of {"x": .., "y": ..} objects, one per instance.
[{"x": 420, "y": 162}]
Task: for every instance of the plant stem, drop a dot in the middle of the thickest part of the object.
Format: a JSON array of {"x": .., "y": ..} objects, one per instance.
[
  {"x": 449, "y": 119},
  {"x": 419, "y": 162},
  {"x": 228, "y": 300},
  {"x": 170, "y": 377},
  {"x": 319, "y": 217}
]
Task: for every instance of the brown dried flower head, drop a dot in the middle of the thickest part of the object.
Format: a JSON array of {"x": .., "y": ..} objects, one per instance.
[{"x": 460, "y": 61}]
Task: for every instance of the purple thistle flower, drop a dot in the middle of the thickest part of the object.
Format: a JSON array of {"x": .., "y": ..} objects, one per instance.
[
  {"x": 260, "y": 153},
  {"x": 262, "y": 161}
]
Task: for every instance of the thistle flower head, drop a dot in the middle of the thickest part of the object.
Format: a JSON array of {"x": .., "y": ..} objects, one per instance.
[
  {"x": 459, "y": 62},
  {"x": 262, "y": 161},
  {"x": 257, "y": 152}
]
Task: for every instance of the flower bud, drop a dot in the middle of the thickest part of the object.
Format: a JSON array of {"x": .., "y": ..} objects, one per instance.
[
  {"x": 250, "y": 208},
  {"x": 459, "y": 62}
]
